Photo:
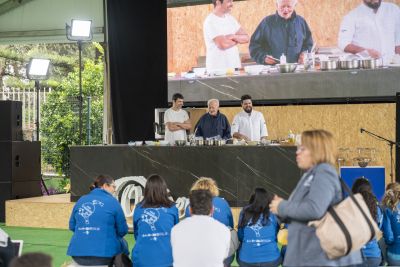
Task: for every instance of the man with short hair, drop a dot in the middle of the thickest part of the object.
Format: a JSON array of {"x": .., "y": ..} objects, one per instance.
[
  {"x": 372, "y": 28},
  {"x": 284, "y": 32},
  {"x": 213, "y": 124},
  {"x": 176, "y": 120},
  {"x": 33, "y": 259},
  {"x": 249, "y": 124},
  {"x": 222, "y": 33},
  {"x": 200, "y": 240}
]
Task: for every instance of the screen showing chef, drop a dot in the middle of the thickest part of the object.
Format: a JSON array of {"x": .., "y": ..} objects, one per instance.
[{"x": 229, "y": 37}]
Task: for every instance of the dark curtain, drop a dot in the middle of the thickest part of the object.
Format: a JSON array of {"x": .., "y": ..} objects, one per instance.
[{"x": 137, "y": 38}]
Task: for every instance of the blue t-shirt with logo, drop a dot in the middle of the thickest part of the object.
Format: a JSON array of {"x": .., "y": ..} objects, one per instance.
[
  {"x": 259, "y": 242},
  {"x": 152, "y": 232}
]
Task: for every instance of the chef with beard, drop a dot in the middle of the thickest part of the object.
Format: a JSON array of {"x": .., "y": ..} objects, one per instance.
[
  {"x": 372, "y": 28},
  {"x": 249, "y": 124}
]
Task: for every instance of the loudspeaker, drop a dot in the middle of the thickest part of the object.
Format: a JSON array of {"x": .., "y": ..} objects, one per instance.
[
  {"x": 19, "y": 161},
  {"x": 11, "y": 121},
  {"x": 5, "y": 194}
]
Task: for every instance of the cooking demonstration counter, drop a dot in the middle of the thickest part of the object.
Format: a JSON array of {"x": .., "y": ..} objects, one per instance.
[
  {"x": 237, "y": 169},
  {"x": 310, "y": 87}
]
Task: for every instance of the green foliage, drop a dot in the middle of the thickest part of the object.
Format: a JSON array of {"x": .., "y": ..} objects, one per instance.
[{"x": 60, "y": 123}]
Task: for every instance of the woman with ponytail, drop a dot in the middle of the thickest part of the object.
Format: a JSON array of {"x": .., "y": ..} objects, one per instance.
[
  {"x": 391, "y": 223},
  {"x": 371, "y": 251}
]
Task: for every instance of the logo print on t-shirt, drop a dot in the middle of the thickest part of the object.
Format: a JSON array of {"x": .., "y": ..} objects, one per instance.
[
  {"x": 256, "y": 228},
  {"x": 151, "y": 216},
  {"x": 88, "y": 208}
]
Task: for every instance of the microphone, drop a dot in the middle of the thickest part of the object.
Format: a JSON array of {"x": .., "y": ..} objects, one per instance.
[{"x": 362, "y": 130}]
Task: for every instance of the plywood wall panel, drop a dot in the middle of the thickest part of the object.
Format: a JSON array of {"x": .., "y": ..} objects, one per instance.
[
  {"x": 185, "y": 24},
  {"x": 344, "y": 121}
]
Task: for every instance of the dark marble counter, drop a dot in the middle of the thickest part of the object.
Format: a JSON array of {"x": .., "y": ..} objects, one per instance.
[
  {"x": 292, "y": 87},
  {"x": 237, "y": 169}
]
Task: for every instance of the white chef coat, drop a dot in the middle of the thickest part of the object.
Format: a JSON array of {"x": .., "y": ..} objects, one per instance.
[
  {"x": 217, "y": 58},
  {"x": 175, "y": 116},
  {"x": 251, "y": 125},
  {"x": 379, "y": 31}
]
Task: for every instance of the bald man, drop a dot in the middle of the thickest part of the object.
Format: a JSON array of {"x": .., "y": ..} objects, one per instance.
[{"x": 284, "y": 32}]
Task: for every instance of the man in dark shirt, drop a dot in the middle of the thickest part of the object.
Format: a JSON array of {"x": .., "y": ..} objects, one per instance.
[
  {"x": 213, "y": 124},
  {"x": 284, "y": 32}
]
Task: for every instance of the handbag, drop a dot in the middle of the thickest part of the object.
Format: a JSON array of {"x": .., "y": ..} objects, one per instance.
[
  {"x": 346, "y": 226},
  {"x": 234, "y": 244},
  {"x": 121, "y": 260}
]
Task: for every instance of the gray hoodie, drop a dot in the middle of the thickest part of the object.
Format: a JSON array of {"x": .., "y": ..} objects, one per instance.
[{"x": 317, "y": 189}]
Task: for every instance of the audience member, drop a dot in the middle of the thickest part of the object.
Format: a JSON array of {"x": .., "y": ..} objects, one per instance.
[
  {"x": 257, "y": 231},
  {"x": 391, "y": 224},
  {"x": 153, "y": 220},
  {"x": 200, "y": 240},
  {"x": 6, "y": 249},
  {"x": 222, "y": 211},
  {"x": 317, "y": 190},
  {"x": 99, "y": 226},
  {"x": 371, "y": 251},
  {"x": 35, "y": 259}
]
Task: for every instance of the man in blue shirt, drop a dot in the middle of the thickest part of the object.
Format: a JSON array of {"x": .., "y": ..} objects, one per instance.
[
  {"x": 213, "y": 124},
  {"x": 284, "y": 32}
]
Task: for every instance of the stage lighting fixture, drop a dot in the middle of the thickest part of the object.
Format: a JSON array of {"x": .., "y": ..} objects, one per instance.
[
  {"x": 38, "y": 69},
  {"x": 80, "y": 31}
]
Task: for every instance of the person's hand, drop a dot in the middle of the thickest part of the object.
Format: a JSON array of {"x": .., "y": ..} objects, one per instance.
[
  {"x": 270, "y": 60},
  {"x": 231, "y": 37},
  {"x": 273, "y": 206},
  {"x": 373, "y": 53}
]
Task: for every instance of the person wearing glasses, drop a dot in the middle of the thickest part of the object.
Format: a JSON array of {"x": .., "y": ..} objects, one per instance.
[
  {"x": 98, "y": 225},
  {"x": 317, "y": 190},
  {"x": 284, "y": 32}
]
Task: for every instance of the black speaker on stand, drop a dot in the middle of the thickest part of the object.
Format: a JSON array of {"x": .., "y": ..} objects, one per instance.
[{"x": 20, "y": 173}]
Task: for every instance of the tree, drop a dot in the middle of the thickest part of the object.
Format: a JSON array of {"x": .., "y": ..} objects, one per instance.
[{"x": 60, "y": 125}]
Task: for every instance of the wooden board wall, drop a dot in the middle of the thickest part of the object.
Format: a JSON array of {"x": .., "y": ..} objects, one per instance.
[
  {"x": 344, "y": 121},
  {"x": 185, "y": 25}
]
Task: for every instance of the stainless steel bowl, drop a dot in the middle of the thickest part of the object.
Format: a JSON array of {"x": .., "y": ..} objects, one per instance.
[
  {"x": 369, "y": 63},
  {"x": 180, "y": 142},
  {"x": 349, "y": 64},
  {"x": 329, "y": 65},
  {"x": 288, "y": 67}
]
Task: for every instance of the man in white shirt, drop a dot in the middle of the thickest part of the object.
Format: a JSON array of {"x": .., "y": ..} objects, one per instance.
[
  {"x": 176, "y": 120},
  {"x": 200, "y": 240},
  {"x": 222, "y": 33},
  {"x": 249, "y": 124},
  {"x": 373, "y": 28}
]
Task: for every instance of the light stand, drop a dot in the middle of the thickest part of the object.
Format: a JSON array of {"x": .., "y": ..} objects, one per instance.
[
  {"x": 390, "y": 143},
  {"x": 80, "y": 31},
  {"x": 38, "y": 69}
]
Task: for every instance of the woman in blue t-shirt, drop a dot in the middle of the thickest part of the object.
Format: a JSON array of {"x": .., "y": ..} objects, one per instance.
[
  {"x": 153, "y": 220},
  {"x": 222, "y": 211},
  {"x": 257, "y": 231},
  {"x": 391, "y": 224},
  {"x": 99, "y": 226},
  {"x": 371, "y": 251}
]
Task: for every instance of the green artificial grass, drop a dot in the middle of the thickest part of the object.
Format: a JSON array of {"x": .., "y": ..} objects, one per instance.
[{"x": 50, "y": 241}]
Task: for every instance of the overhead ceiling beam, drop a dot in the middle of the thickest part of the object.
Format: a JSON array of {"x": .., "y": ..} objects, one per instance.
[
  {"x": 11, "y": 4},
  {"x": 179, "y": 3}
]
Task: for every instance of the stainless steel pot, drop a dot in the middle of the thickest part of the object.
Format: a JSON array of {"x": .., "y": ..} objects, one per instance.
[
  {"x": 349, "y": 64},
  {"x": 329, "y": 65},
  {"x": 369, "y": 63},
  {"x": 288, "y": 67}
]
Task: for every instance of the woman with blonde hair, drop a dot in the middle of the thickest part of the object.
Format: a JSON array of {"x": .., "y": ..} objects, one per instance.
[
  {"x": 391, "y": 224},
  {"x": 317, "y": 190},
  {"x": 222, "y": 211}
]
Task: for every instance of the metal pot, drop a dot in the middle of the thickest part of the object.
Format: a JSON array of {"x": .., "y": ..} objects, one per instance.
[
  {"x": 369, "y": 63},
  {"x": 329, "y": 65},
  {"x": 288, "y": 67},
  {"x": 349, "y": 64}
]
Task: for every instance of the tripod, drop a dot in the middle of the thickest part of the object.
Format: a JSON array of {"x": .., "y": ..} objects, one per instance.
[{"x": 390, "y": 143}]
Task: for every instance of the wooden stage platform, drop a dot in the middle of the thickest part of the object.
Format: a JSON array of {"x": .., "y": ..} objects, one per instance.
[{"x": 50, "y": 212}]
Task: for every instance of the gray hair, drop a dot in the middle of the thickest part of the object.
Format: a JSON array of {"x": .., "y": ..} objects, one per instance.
[
  {"x": 294, "y": 2},
  {"x": 212, "y": 100}
]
